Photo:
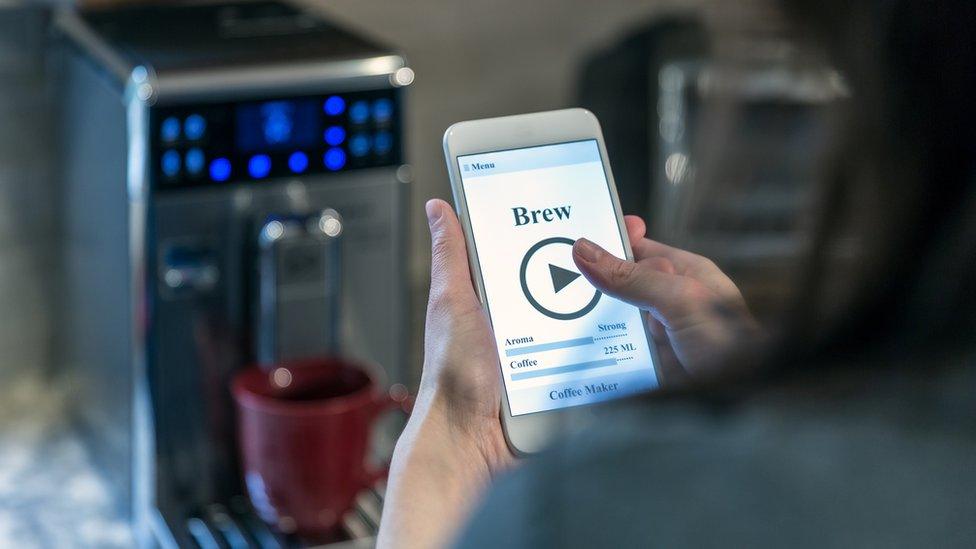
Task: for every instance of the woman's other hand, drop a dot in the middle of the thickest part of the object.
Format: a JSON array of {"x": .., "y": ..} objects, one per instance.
[{"x": 699, "y": 315}]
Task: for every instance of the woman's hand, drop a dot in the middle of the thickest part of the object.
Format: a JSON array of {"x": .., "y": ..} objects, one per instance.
[
  {"x": 453, "y": 443},
  {"x": 699, "y": 314}
]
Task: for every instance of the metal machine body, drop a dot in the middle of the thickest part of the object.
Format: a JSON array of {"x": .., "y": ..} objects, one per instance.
[
  {"x": 187, "y": 129},
  {"x": 751, "y": 210},
  {"x": 655, "y": 90}
]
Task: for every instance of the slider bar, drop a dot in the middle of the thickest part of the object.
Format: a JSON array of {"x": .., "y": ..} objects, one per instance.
[
  {"x": 549, "y": 346},
  {"x": 565, "y": 369}
]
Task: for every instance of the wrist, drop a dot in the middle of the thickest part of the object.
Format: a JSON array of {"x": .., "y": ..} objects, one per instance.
[
  {"x": 442, "y": 434},
  {"x": 430, "y": 475},
  {"x": 434, "y": 471},
  {"x": 445, "y": 458}
]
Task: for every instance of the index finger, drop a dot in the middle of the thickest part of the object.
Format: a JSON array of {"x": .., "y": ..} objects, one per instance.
[{"x": 688, "y": 264}]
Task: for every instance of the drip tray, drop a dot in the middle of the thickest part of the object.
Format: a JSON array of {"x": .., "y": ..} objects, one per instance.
[{"x": 234, "y": 525}]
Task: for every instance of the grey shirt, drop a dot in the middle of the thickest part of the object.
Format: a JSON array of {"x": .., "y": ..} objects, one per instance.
[{"x": 878, "y": 461}]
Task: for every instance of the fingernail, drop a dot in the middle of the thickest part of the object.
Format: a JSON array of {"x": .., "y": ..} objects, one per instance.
[
  {"x": 433, "y": 210},
  {"x": 587, "y": 250}
]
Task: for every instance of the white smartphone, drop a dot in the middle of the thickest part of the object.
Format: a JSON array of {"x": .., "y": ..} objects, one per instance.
[{"x": 526, "y": 188}]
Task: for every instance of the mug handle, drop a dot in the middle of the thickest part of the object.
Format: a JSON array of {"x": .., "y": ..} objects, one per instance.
[{"x": 395, "y": 398}]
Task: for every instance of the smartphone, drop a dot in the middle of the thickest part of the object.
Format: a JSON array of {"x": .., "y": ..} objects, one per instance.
[{"x": 526, "y": 188}]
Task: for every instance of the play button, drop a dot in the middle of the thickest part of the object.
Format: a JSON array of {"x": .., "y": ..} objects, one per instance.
[
  {"x": 561, "y": 277},
  {"x": 549, "y": 283}
]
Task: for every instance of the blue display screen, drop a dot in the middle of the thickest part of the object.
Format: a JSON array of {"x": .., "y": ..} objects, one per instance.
[{"x": 275, "y": 125}]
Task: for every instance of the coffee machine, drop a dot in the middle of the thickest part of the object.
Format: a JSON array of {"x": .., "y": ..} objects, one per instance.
[
  {"x": 652, "y": 91},
  {"x": 234, "y": 192}
]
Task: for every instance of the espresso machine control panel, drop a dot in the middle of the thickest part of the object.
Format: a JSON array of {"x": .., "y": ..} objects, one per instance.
[{"x": 254, "y": 141}]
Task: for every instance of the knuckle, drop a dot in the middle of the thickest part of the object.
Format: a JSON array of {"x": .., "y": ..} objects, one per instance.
[
  {"x": 449, "y": 302},
  {"x": 441, "y": 299},
  {"x": 440, "y": 247},
  {"x": 622, "y": 273},
  {"x": 658, "y": 263},
  {"x": 438, "y": 268},
  {"x": 438, "y": 311},
  {"x": 705, "y": 263},
  {"x": 693, "y": 294}
]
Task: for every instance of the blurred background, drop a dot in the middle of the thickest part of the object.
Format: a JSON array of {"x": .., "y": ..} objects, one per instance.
[{"x": 88, "y": 331}]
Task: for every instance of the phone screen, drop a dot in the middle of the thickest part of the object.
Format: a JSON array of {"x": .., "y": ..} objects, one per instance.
[{"x": 561, "y": 342}]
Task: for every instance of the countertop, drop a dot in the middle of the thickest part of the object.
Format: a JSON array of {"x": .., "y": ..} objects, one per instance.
[{"x": 50, "y": 494}]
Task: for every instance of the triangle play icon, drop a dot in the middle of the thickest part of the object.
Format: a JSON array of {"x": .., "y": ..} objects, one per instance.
[{"x": 561, "y": 277}]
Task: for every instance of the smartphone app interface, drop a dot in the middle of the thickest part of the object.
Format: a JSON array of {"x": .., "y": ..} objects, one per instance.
[{"x": 561, "y": 342}]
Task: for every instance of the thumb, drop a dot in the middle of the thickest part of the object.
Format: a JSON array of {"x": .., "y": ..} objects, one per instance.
[
  {"x": 649, "y": 284},
  {"x": 450, "y": 278}
]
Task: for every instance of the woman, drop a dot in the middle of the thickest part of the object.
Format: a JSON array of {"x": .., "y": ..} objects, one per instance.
[{"x": 858, "y": 427}]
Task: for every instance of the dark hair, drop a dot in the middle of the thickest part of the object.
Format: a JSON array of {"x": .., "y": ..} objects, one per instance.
[{"x": 903, "y": 176}]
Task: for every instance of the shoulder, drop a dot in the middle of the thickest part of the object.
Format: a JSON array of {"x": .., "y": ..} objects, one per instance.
[{"x": 776, "y": 471}]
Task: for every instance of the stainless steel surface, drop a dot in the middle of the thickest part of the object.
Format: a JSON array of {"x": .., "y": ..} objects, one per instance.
[
  {"x": 750, "y": 216},
  {"x": 68, "y": 22},
  {"x": 357, "y": 74},
  {"x": 142, "y": 430},
  {"x": 299, "y": 287},
  {"x": 175, "y": 75},
  {"x": 98, "y": 315},
  {"x": 28, "y": 201}
]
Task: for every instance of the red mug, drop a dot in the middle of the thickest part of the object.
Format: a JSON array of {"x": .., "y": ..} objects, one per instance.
[{"x": 304, "y": 430}]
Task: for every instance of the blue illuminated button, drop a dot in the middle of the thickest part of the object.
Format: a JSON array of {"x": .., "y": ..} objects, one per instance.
[
  {"x": 359, "y": 144},
  {"x": 194, "y": 127},
  {"x": 383, "y": 142},
  {"x": 359, "y": 112},
  {"x": 220, "y": 169},
  {"x": 335, "y": 135},
  {"x": 277, "y": 122},
  {"x": 298, "y": 162},
  {"x": 171, "y": 163},
  {"x": 382, "y": 110},
  {"x": 169, "y": 130},
  {"x": 334, "y": 158},
  {"x": 194, "y": 161},
  {"x": 259, "y": 166},
  {"x": 335, "y": 105}
]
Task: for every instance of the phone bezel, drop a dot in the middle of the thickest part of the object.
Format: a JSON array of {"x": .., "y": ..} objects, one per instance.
[{"x": 528, "y": 433}]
